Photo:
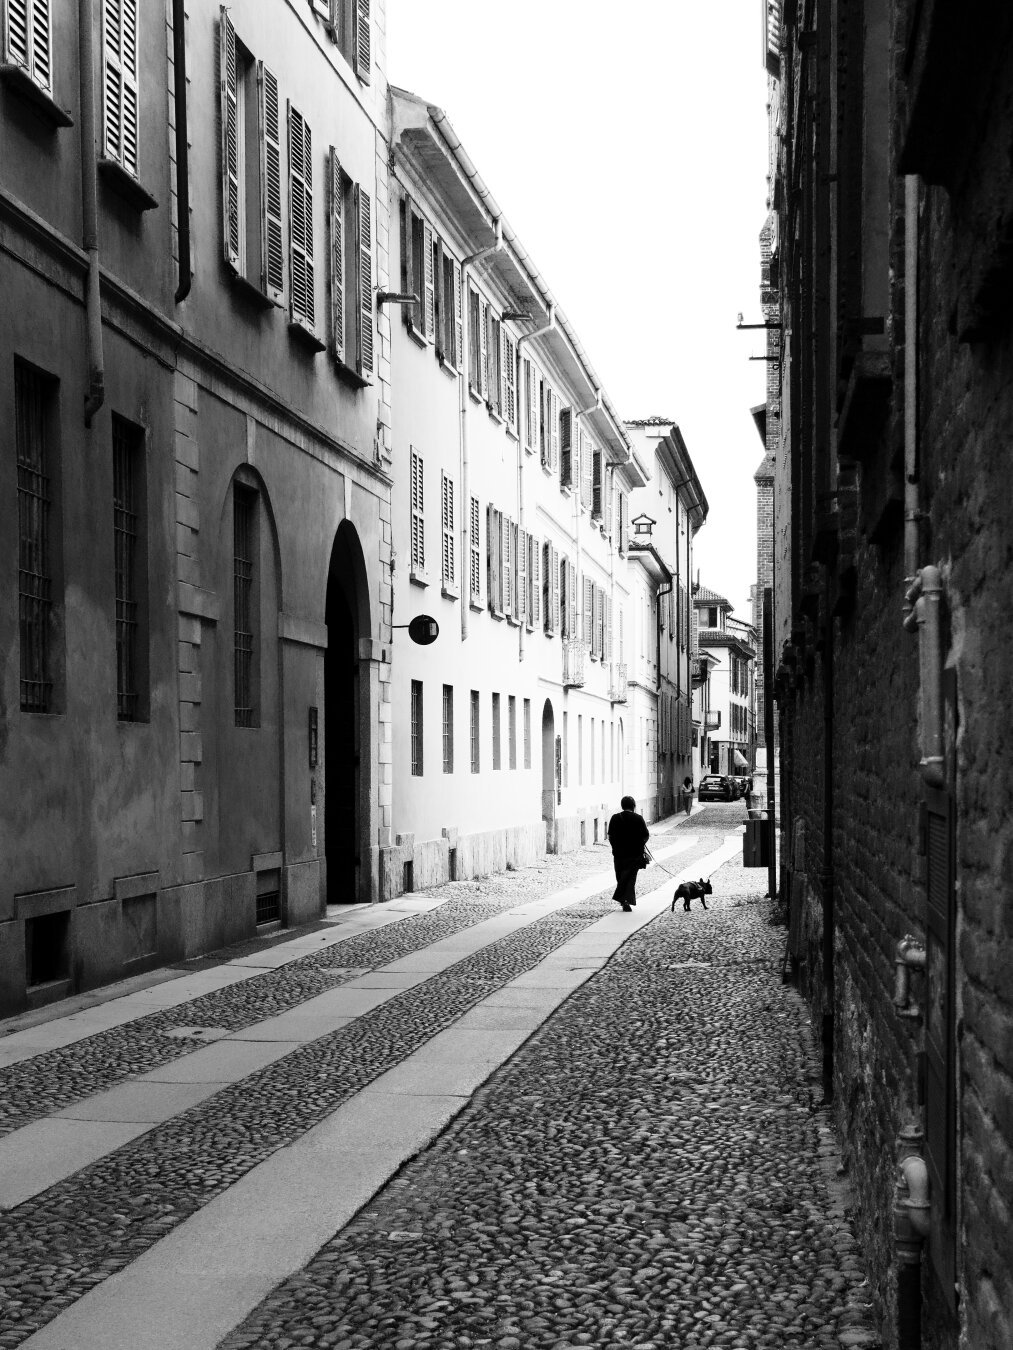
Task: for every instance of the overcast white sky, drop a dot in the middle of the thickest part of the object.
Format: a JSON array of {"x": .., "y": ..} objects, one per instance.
[{"x": 627, "y": 144}]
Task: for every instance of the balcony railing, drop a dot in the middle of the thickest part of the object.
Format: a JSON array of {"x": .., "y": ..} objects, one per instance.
[
  {"x": 712, "y": 720},
  {"x": 573, "y": 661},
  {"x": 617, "y": 682}
]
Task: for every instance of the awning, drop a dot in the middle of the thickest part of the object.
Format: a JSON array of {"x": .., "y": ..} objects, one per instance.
[{"x": 740, "y": 760}]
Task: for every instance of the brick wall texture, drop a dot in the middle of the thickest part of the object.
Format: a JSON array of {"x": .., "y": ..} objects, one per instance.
[{"x": 850, "y": 680}]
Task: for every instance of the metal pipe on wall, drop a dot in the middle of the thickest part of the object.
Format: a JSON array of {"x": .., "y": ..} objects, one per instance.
[
  {"x": 182, "y": 150},
  {"x": 96, "y": 394}
]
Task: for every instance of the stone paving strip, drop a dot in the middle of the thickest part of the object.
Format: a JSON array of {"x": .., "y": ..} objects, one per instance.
[
  {"x": 649, "y": 1170},
  {"x": 48, "y": 1149},
  {"x": 58, "y": 1245}
]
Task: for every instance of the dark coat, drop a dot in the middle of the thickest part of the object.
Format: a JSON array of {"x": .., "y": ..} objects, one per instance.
[{"x": 628, "y": 833}]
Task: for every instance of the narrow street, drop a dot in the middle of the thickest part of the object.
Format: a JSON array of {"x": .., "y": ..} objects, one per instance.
[{"x": 501, "y": 1113}]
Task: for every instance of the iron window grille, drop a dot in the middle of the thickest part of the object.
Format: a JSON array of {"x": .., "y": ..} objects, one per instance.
[
  {"x": 126, "y": 535},
  {"x": 496, "y": 759},
  {"x": 512, "y": 729},
  {"x": 475, "y": 758},
  {"x": 527, "y": 733},
  {"x": 448, "y": 728},
  {"x": 244, "y": 505},
  {"x": 35, "y": 563},
  {"x": 416, "y": 728}
]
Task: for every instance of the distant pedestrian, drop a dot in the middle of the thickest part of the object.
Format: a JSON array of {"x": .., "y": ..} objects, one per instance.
[
  {"x": 687, "y": 793},
  {"x": 628, "y": 834}
]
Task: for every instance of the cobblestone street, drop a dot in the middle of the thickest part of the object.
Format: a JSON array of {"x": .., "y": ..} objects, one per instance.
[{"x": 501, "y": 1113}]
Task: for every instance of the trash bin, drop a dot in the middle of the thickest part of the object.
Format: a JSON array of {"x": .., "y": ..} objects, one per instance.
[{"x": 754, "y": 844}]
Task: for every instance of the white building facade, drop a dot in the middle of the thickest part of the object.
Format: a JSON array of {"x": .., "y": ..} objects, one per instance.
[
  {"x": 726, "y": 713},
  {"x": 511, "y": 732}
]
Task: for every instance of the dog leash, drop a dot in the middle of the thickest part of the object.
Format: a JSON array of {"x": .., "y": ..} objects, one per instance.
[{"x": 652, "y": 859}]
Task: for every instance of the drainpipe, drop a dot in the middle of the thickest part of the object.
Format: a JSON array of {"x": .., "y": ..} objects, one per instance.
[
  {"x": 662, "y": 591},
  {"x": 578, "y": 413},
  {"x": 462, "y": 382},
  {"x": 524, "y": 337},
  {"x": 912, "y": 514},
  {"x": 911, "y": 1221},
  {"x": 182, "y": 149},
  {"x": 827, "y": 877},
  {"x": 96, "y": 394}
]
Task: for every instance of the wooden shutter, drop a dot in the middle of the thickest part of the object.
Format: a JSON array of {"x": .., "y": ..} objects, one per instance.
[
  {"x": 493, "y": 553},
  {"x": 230, "y": 129},
  {"x": 272, "y": 259},
  {"x": 441, "y": 327},
  {"x": 586, "y": 453},
  {"x": 364, "y": 281},
  {"x": 120, "y": 100},
  {"x": 337, "y": 258},
  {"x": 597, "y": 483},
  {"x": 474, "y": 343},
  {"x": 362, "y": 60},
  {"x": 476, "y": 552},
  {"x": 300, "y": 176},
  {"x": 428, "y": 284},
  {"x": 509, "y": 373},
  {"x": 552, "y": 583},
  {"x": 534, "y": 581},
  {"x": 458, "y": 318},
  {"x": 607, "y": 494},
  {"x": 28, "y": 40},
  {"x": 553, "y": 416},
  {"x": 588, "y": 616},
  {"x": 418, "y": 514},
  {"x": 495, "y": 381},
  {"x": 566, "y": 447},
  {"x": 521, "y": 589},
  {"x": 483, "y": 347},
  {"x": 449, "y": 559},
  {"x": 507, "y": 563},
  {"x": 607, "y": 654},
  {"x": 407, "y": 271},
  {"x": 532, "y": 414}
]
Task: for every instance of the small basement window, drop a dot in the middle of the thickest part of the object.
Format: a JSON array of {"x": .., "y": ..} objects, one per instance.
[{"x": 47, "y": 948}]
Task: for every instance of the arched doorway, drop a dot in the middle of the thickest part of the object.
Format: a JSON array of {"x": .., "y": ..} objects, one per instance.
[
  {"x": 548, "y": 762},
  {"x": 345, "y": 810}
]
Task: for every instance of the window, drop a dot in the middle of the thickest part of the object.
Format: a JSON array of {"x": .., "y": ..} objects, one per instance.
[
  {"x": 585, "y": 462},
  {"x": 37, "y": 557},
  {"x": 512, "y": 729},
  {"x": 418, "y": 524},
  {"x": 448, "y": 728},
  {"x": 416, "y": 711},
  {"x": 580, "y": 749},
  {"x": 302, "y": 267},
  {"x": 350, "y": 29},
  {"x": 527, "y": 733},
  {"x": 251, "y": 167},
  {"x": 245, "y": 604},
  {"x": 712, "y": 616},
  {"x": 591, "y": 748},
  {"x": 534, "y": 597},
  {"x": 550, "y": 428},
  {"x": 351, "y": 271},
  {"x": 448, "y": 556},
  {"x": 476, "y": 553},
  {"x": 449, "y": 327},
  {"x": 418, "y": 271},
  {"x": 568, "y": 447},
  {"x": 568, "y": 588},
  {"x": 131, "y": 579},
  {"x": 494, "y": 358},
  {"x": 28, "y": 40},
  {"x": 478, "y": 345},
  {"x": 597, "y": 483},
  {"x": 501, "y": 564},
  {"x": 496, "y": 761},
  {"x": 551, "y": 575},
  {"x": 475, "y": 758},
  {"x": 532, "y": 413},
  {"x": 119, "y": 83},
  {"x": 508, "y": 394}
]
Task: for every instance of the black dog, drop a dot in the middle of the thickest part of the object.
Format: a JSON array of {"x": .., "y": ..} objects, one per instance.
[{"x": 691, "y": 890}]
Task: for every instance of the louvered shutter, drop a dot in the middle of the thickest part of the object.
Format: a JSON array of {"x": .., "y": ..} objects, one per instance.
[
  {"x": 496, "y": 365},
  {"x": 508, "y": 529},
  {"x": 476, "y": 552},
  {"x": 407, "y": 271},
  {"x": 531, "y": 392},
  {"x": 566, "y": 447},
  {"x": 521, "y": 590},
  {"x": 492, "y": 554},
  {"x": 28, "y": 40},
  {"x": 509, "y": 370},
  {"x": 544, "y": 440},
  {"x": 586, "y": 452},
  {"x": 362, "y": 58},
  {"x": 597, "y": 483},
  {"x": 337, "y": 258},
  {"x": 553, "y": 581},
  {"x": 458, "y": 319},
  {"x": 474, "y": 343},
  {"x": 483, "y": 348},
  {"x": 428, "y": 284},
  {"x": 449, "y": 560},
  {"x": 230, "y": 129},
  {"x": 571, "y": 604},
  {"x": 300, "y": 172},
  {"x": 553, "y": 415},
  {"x": 534, "y": 582},
  {"x": 607, "y": 654},
  {"x": 272, "y": 259},
  {"x": 588, "y": 615},
  {"x": 364, "y": 281},
  {"x": 120, "y": 100},
  {"x": 622, "y": 648},
  {"x": 417, "y": 513},
  {"x": 442, "y": 300}
]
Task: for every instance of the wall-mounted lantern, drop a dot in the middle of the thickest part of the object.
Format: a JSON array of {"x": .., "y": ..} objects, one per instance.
[
  {"x": 423, "y": 629},
  {"x": 642, "y": 525}
]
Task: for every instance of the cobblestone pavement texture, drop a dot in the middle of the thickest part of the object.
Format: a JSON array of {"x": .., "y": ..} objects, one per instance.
[{"x": 648, "y": 1170}]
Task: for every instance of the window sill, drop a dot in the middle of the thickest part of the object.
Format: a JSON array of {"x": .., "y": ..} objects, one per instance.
[
  {"x": 19, "y": 80},
  {"x": 306, "y": 336},
  {"x": 418, "y": 577},
  {"x": 494, "y": 416},
  {"x": 511, "y": 433},
  {"x": 418, "y": 338},
  {"x": 497, "y": 614},
  {"x": 126, "y": 185},
  {"x": 449, "y": 592},
  {"x": 476, "y": 605},
  {"x": 475, "y": 396},
  {"x": 449, "y": 369},
  {"x": 251, "y": 291}
]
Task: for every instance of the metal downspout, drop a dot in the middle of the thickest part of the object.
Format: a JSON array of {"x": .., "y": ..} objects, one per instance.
[
  {"x": 182, "y": 150},
  {"x": 827, "y": 878},
  {"x": 524, "y": 337},
  {"x": 96, "y": 394},
  {"x": 462, "y": 382}
]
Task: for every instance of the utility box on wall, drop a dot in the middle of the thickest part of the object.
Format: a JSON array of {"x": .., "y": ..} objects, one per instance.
[{"x": 754, "y": 844}]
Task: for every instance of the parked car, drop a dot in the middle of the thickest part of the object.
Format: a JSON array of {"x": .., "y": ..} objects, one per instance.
[{"x": 716, "y": 787}]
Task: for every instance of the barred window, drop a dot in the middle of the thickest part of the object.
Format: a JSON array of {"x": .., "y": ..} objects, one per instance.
[
  {"x": 244, "y": 581},
  {"x": 448, "y": 728},
  {"x": 128, "y": 535},
  {"x": 512, "y": 729},
  {"x": 527, "y": 733},
  {"x": 32, "y": 395},
  {"x": 417, "y": 728},
  {"x": 496, "y": 758},
  {"x": 475, "y": 758}
]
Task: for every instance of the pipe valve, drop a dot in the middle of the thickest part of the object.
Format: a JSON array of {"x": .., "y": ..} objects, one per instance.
[{"x": 909, "y": 956}]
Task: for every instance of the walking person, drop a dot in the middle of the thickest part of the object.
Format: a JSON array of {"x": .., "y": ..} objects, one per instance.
[
  {"x": 687, "y": 793},
  {"x": 628, "y": 834}
]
